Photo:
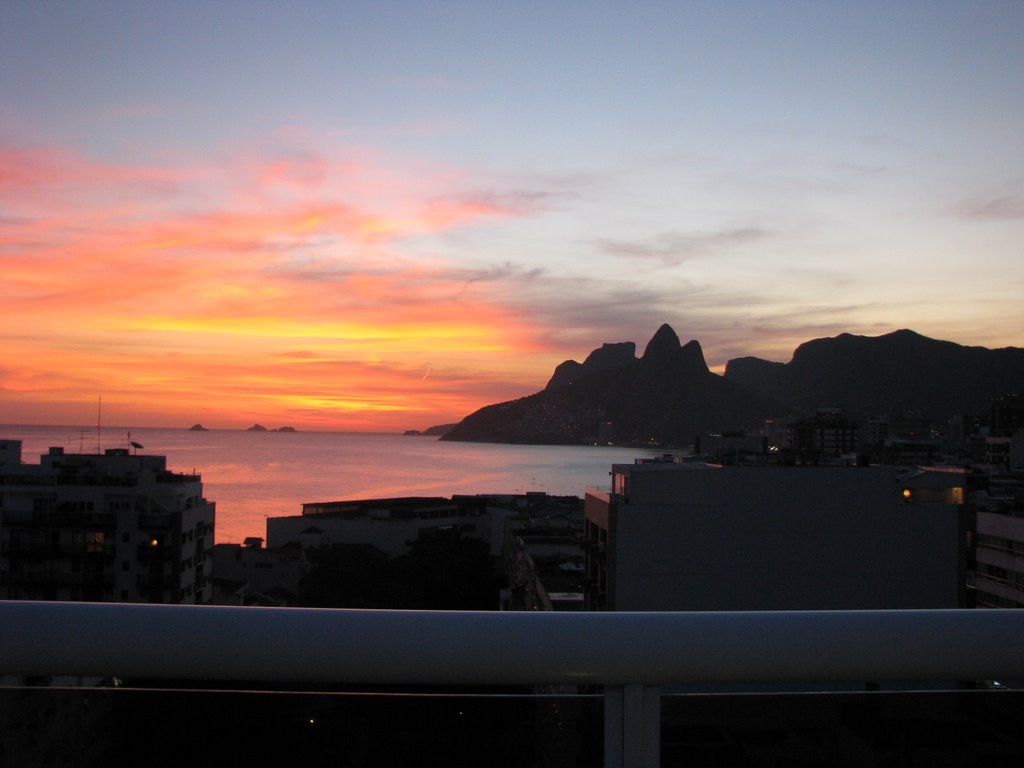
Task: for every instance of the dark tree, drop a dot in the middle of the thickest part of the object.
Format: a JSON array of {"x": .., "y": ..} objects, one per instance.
[
  {"x": 348, "y": 576},
  {"x": 442, "y": 571}
]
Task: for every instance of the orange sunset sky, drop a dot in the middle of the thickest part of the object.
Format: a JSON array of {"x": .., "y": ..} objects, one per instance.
[{"x": 384, "y": 216}]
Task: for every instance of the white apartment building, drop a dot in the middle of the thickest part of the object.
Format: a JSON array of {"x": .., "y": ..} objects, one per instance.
[{"x": 111, "y": 527}]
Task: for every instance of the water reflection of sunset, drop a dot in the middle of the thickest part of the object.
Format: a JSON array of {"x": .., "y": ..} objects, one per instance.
[{"x": 253, "y": 475}]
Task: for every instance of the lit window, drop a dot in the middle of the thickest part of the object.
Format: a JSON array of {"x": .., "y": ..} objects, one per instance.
[{"x": 94, "y": 541}]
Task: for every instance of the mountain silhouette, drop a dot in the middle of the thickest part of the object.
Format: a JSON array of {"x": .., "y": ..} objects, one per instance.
[
  {"x": 668, "y": 396},
  {"x": 900, "y": 372}
]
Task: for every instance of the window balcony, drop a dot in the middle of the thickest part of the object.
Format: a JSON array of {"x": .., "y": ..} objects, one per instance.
[{"x": 639, "y": 662}]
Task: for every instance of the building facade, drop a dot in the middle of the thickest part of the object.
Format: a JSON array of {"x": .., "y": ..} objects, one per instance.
[
  {"x": 999, "y": 540},
  {"x": 387, "y": 524},
  {"x": 391, "y": 524},
  {"x": 699, "y": 537},
  {"x": 824, "y": 436},
  {"x": 249, "y": 574},
  {"x": 103, "y": 527}
]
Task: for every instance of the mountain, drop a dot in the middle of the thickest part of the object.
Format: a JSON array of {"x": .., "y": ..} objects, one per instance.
[
  {"x": 668, "y": 396},
  {"x": 899, "y": 372},
  {"x": 437, "y": 430},
  {"x": 607, "y": 357}
]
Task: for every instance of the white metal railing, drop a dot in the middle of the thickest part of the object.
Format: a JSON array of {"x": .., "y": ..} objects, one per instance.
[{"x": 630, "y": 654}]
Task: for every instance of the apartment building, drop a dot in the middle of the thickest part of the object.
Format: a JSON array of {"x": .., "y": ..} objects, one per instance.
[
  {"x": 103, "y": 527},
  {"x": 999, "y": 541},
  {"x": 387, "y": 524},
  {"x": 391, "y": 524},
  {"x": 699, "y": 537},
  {"x": 824, "y": 436}
]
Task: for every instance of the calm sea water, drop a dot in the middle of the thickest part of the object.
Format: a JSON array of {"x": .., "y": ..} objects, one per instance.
[{"x": 255, "y": 475}]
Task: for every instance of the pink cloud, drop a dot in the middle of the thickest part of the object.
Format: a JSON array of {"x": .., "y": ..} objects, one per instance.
[{"x": 198, "y": 278}]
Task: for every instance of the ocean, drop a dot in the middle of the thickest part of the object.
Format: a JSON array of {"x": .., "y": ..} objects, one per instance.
[{"x": 255, "y": 475}]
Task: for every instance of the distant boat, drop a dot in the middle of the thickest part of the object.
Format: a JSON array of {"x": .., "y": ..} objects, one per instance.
[{"x": 198, "y": 428}]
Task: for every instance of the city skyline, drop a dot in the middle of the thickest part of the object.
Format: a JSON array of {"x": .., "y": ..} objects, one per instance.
[{"x": 384, "y": 216}]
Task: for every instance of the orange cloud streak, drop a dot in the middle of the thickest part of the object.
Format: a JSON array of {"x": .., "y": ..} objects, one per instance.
[{"x": 264, "y": 295}]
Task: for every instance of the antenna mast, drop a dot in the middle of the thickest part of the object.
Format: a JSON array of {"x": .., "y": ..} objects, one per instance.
[{"x": 99, "y": 421}]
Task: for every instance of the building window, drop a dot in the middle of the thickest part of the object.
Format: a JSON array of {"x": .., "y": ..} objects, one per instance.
[{"x": 94, "y": 541}]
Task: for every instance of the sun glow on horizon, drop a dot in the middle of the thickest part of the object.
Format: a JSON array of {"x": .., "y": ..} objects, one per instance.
[
  {"x": 382, "y": 227},
  {"x": 257, "y": 313}
]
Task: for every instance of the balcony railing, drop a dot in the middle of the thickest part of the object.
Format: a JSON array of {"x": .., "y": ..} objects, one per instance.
[{"x": 632, "y": 655}]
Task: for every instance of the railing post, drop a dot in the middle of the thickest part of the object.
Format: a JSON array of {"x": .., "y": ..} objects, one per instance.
[{"x": 632, "y": 726}]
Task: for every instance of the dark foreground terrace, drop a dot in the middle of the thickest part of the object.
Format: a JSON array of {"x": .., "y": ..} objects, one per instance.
[{"x": 198, "y": 684}]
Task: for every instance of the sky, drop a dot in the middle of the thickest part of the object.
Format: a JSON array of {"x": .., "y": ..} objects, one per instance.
[{"x": 384, "y": 215}]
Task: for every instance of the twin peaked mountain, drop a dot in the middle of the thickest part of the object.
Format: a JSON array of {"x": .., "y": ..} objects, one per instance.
[{"x": 668, "y": 396}]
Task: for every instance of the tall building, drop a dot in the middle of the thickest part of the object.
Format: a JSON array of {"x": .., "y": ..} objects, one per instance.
[
  {"x": 999, "y": 549},
  {"x": 824, "y": 436},
  {"x": 111, "y": 527},
  {"x": 999, "y": 535},
  {"x": 1007, "y": 414},
  {"x": 700, "y": 537}
]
